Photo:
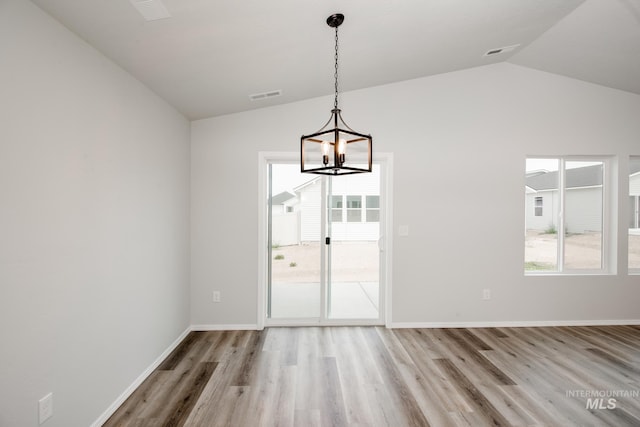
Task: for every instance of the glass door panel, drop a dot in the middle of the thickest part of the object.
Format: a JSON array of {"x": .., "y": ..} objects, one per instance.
[
  {"x": 354, "y": 256},
  {"x": 583, "y": 216},
  {"x": 295, "y": 234}
]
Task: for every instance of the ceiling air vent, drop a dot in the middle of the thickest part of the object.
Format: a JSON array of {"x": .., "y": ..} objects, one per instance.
[
  {"x": 501, "y": 50},
  {"x": 151, "y": 10},
  {"x": 265, "y": 95}
]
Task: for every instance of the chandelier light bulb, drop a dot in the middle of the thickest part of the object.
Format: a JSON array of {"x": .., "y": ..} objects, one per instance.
[
  {"x": 325, "y": 152},
  {"x": 342, "y": 150}
]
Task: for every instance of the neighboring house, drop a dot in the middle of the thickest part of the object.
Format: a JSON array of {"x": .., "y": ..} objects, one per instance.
[
  {"x": 355, "y": 207},
  {"x": 583, "y": 199},
  {"x": 354, "y": 211},
  {"x": 285, "y": 220},
  {"x": 282, "y": 203},
  {"x": 308, "y": 197}
]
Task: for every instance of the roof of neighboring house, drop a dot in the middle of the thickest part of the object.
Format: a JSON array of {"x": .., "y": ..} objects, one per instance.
[
  {"x": 280, "y": 198},
  {"x": 306, "y": 184},
  {"x": 587, "y": 176}
]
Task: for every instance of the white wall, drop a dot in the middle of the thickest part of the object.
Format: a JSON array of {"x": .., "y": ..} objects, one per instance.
[
  {"x": 94, "y": 217},
  {"x": 446, "y": 132}
]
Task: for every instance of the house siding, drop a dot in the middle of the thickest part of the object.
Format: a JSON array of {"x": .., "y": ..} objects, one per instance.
[
  {"x": 310, "y": 215},
  {"x": 284, "y": 229},
  {"x": 355, "y": 185},
  {"x": 550, "y": 203},
  {"x": 583, "y": 210},
  {"x": 634, "y": 185}
]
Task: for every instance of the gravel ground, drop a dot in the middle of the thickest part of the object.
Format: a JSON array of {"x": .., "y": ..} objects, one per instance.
[
  {"x": 581, "y": 250},
  {"x": 359, "y": 261},
  {"x": 351, "y": 262}
]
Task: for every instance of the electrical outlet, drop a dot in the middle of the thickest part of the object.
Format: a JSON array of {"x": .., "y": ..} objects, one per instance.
[
  {"x": 45, "y": 408},
  {"x": 486, "y": 294},
  {"x": 216, "y": 296}
]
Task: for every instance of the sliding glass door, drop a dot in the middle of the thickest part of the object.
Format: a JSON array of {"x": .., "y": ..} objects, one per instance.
[{"x": 324, "y": 256}]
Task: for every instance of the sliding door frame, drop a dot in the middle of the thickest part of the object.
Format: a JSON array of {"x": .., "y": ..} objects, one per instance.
[{"x": 385, "y": 242}]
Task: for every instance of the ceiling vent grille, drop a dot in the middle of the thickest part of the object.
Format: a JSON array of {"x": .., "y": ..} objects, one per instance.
[
  {"x": 265, "y": 95},
  {"x": 500, "y": 50},
  {"x": 151, "y": 10}
]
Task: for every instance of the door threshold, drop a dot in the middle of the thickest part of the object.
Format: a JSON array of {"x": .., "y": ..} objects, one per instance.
[{"x": 277, "y": 323}]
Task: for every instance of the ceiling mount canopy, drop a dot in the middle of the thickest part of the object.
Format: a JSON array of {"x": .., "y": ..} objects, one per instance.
[{"x": 336, "y": 149}]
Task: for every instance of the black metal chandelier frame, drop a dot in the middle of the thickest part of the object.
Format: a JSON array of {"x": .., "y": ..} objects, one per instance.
[{"x": 332, "y": 141}]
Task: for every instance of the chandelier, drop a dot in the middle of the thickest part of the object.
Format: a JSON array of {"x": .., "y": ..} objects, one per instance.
[{"x": 335, "y": 149}]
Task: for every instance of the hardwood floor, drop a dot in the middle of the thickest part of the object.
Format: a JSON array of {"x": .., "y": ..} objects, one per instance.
[{"x": 372, "y": 376}]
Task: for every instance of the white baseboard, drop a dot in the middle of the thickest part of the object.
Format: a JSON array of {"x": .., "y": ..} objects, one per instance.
[
  {"x": 125, "y": 394},
  {"x": 512, "y": 324},
  {"x": 224, "y": 327}
]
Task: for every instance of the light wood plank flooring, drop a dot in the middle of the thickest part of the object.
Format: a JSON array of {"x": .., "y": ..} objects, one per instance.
[{"x": 372, "y": 376}]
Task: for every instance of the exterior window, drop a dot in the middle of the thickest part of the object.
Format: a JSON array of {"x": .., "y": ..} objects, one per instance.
[
  {"x": 289, "y": 209},
  {"x": 373, "y": 208},
  {"x": 336, "y": 208},
  {"x": 634, "y": 214},
  {"x": 354, "y": 208},
  {"x": 538, "y": 206},
  {"x": 569, "y": 235}
]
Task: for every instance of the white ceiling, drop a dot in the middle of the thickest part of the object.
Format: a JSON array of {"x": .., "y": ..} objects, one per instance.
[{"x": 211, "y": 55}]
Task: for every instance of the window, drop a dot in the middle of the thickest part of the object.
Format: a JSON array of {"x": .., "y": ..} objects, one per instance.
[
  {"x": 538, "y": 206},
  {"x": 373, "y": 208},
  {"x": 571, "y": 234},
  {"x": 634, "y": 214},
  {"x": 354, "y": 208},
  {"x": 336, "y": 208}
]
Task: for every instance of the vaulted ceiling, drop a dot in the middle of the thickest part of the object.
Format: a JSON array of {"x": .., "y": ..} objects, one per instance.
[{"x": 208, "y": 57}]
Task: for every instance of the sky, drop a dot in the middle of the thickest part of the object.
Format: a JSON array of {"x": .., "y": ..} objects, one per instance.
[
  {"x": 287, "y": 176},
  {"x": 552, "y": 164}
]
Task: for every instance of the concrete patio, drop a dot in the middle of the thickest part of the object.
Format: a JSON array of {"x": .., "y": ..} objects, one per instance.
[{"x": 348, "y": 300}]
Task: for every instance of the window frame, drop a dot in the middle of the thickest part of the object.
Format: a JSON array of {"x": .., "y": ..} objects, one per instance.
[
  {"x": 537, "y": 208},
  {"x": 358, "y": 210},
  {"x": 336, "y": 209},
  {"x": 609, "y": 211},
  {"x": 368, "y": 209},
  {"x": 632, "y": 271}
]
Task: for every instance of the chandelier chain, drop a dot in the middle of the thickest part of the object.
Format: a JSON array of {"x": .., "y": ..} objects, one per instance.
[{"x": 335, "y": 75}]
